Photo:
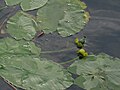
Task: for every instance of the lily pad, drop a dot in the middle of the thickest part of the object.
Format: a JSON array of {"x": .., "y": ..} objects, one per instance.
[
  {"x": 9, "y": 47},
  {"x": 72, "y": 23},
  {"x": 35, "y": 74},
  {"x": 97, "y": 73},
  {"x": 27, "y": 4},
  {"x": 75, "y": 18},
  {"x": 50, "y": 14},
  {"x": 67, "y": 17},
  {"x": 21, "y": 26},
  {"x": 12, "y": 2}
]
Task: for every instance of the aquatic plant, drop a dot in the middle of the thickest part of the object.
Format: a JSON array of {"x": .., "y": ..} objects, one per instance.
[{"x": 20, "y": 59}]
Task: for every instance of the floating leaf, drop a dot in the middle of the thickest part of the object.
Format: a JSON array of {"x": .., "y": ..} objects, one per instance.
[
  {"x": 113, "y": 72},
  {"x": 32, "y": 4},
  {"x": 27, "y": 4},
  {"x": 11, "y": 47},
  {"x": 13, "y": 2},
  {"x": 35, "y": 74},
  {"x": 72, "y": 23},
  {"x": 74, "y": 19},
  {"x": 97, "y": 73},
  {"x": 50, "y": 14},
  {"x": 67, "y": 17},
  {"x": 79, "y": 81},
  {"x": 21, "y": 26}
]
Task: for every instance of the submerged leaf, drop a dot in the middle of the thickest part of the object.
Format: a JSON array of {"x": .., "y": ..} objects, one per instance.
[
  {"x": 21, "y": 26},
  {"x": 35, "y": 74},
  {"x": 27, "y": 4},
  {"x": 97, "y": 73}
]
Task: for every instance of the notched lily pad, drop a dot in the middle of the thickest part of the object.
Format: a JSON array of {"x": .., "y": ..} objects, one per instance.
[
  {"x": 97, "y": 73},
  {"x": 67, "y": 17},
  {"x": 35, "y": 74},
  {"x": 72, "y": 23},
  {"x": 9, "y": 47},
  {"x": 49, "y": 15},
  {"x": 21, "y": 26}
]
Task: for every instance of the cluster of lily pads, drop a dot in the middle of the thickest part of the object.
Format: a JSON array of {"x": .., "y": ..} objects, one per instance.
[
  {"x": 67, "y": 17},
  {"x": 20, "y": 60}
]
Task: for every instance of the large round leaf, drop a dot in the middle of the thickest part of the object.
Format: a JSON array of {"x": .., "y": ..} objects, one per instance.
[
  {"x": 34, "y": 74},
  {"x": 50, "y": 14},
  {"x": 27, "y": 4},
  {"x": 21, "y": 26},
  {"x": 67, "y": 17},
  {"x": 75, "y": 18},
  {"x": 96, "y": 73}
]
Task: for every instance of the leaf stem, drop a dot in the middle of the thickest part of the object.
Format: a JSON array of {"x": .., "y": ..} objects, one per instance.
[
  {"x": 69, "y": 61},
  {"x": 57, "y": 51}
]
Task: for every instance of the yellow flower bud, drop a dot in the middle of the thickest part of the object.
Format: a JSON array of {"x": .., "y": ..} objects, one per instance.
[
  {"x": 82, "y": 52},
  {"x": 76, "y": 40}
]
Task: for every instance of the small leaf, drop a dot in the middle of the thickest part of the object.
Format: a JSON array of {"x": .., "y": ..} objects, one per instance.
[
  {"x": 32, "y": 4},
  {"x": 21, "y": 26},
  {"x": 27, "y": 4},
  {"x": 91, "y": 83},
  {"x": 79, "y": 81},
  {"x": 12, "y": 2}
]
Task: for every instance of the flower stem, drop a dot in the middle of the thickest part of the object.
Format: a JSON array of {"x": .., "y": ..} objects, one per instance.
[
  {"x": 69, "y": 61},
  {"x": 63, "y": 50}
]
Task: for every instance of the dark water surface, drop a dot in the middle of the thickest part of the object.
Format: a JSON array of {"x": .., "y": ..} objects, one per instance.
[{"x": 102, "y": 31}]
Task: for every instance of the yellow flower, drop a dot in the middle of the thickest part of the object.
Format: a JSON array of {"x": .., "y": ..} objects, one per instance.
[
  {"x": 76, "y": 40},
  {"x": 78, "y": 43},
  {"x": 82, "y": 52}
]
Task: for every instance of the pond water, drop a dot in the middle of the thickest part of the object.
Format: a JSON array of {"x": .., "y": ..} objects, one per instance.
[{"x": 102, "y": 31}]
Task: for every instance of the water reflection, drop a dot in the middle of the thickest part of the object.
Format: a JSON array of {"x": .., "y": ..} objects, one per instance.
[{"x": 103, "y": 30}]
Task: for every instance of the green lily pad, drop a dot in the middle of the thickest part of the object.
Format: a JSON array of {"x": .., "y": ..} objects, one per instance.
[
  {"x": 72, "y": 23},
  {"x": 35, "y": 74},
  {"x": 67, "y": 17},
  {"x": 97, "y": 74},
  {"x": 12, "y": 2},
  {"x": 75, "y": 18},
  {"x": 21, "y": 26},
  {"x": 50, "y": 14},
  {"x": 11, "y": 47},
  {"x": 32, "y": 4},
  {"x": 27, "y": 4}
]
